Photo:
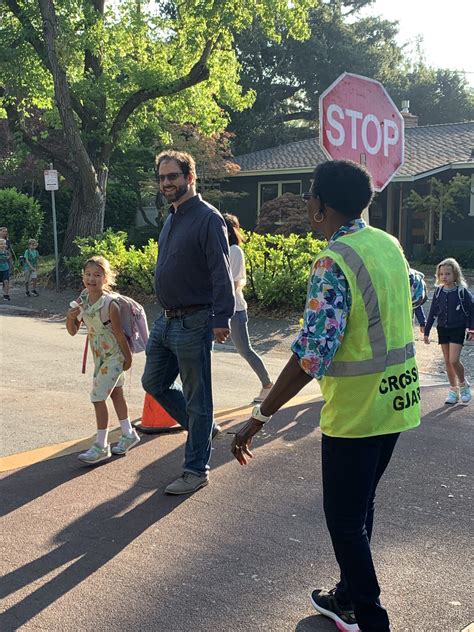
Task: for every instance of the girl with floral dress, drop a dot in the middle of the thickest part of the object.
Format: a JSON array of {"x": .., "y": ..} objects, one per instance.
[{"x": 112, "y": 356}]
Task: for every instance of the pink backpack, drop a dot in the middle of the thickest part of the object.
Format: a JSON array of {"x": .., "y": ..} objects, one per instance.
[{"x": 134, "y": 322}]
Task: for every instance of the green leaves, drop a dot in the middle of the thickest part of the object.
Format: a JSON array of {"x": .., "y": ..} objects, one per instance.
[{"x": 278, "y": 267}]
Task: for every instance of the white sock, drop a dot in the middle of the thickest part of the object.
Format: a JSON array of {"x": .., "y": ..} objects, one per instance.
[
  {"x": 102, "y": 436},
  {"x": 126, "y": 426}
]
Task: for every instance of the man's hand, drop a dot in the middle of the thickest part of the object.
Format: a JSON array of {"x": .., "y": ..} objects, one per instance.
[
  {"x": 422, "y": 329},
  {"x": 243, "y": 441},
  {"x": 426, "y": 340},
  {"x": 221, "y": 333},
  {"x": 470, "y": 335}
]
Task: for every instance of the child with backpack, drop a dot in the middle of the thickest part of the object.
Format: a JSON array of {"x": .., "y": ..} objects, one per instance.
[
  {"x": 30, "y": 267},
  {"x": 453, "y": 307},
  {"x": 112, "y": 356}
]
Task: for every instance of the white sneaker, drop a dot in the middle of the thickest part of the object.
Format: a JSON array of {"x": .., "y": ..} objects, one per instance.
[
  {"x": 453, "y": 397},
  {"x": 263, "y": 393},
  {"x": 125, "y": 443},
  {"x": 95, "y": 454},
  {"x": 465, "y": 392}
]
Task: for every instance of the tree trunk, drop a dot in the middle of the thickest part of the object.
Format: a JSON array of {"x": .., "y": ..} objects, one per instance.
[{"x": 86, "y": 216}]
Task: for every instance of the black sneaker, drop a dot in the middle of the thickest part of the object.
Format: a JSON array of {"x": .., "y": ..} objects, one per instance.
[
  {"x": 216, "y": 430},
  {"x": 326, "y": 603},
  {"x": 7, "y": 297},
  {"x": 35, "y": 293},
  {"x": 27, "y": 293}
]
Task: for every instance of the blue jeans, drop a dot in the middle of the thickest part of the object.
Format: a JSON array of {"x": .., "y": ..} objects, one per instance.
[
  {"x": 240, "y": 337},
  {"x": 351, "y": 470},
  {"x": 183, "y": 346}
]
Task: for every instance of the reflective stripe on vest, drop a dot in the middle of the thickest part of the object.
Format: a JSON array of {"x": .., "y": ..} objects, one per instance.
[{"x": 381, "y": 358}]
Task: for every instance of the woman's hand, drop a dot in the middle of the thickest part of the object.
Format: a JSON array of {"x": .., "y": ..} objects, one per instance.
[
  {"x": 426, "y": 340},
  {"x": 243, "y": 441}
]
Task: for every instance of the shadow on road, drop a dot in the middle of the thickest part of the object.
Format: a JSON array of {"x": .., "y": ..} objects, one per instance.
[{"x": 98, "y": 535}]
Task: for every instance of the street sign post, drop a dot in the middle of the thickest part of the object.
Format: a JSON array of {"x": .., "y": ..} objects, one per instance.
[
  {"x": 51, "y": 184},
  {"x": 359, "y": 121}
]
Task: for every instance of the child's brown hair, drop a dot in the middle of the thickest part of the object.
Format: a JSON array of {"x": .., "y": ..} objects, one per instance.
[{"x": 104, "y": 265}]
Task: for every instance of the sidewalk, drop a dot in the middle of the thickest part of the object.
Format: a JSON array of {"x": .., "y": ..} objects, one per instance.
[{"x": 100, "y": 549}]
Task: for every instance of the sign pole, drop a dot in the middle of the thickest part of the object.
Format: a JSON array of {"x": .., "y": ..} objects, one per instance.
[{"x": 51, "y": 183}]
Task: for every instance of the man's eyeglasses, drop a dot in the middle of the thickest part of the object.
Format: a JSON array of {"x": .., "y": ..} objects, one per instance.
[
  {"x": 171, "y": 176},
  {"x": 307, "y": 196}
]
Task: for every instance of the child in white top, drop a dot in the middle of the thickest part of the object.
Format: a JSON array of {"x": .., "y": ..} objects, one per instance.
[
  {"x": 238, "y": 324},
  {"x": 112, "y": 356}
]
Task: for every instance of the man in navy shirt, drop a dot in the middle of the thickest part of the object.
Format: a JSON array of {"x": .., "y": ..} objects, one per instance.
[{"x": 194, "y": 287}]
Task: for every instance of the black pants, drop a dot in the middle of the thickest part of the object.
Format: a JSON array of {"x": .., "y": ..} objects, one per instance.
[{"x": 352, "y": 469}]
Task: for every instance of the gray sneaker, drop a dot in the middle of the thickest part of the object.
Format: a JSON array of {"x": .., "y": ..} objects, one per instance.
[
  {"x": 95, "y": 454},
  {"x": 187, "y": 484},
  {"x": 125, "y": 443}
]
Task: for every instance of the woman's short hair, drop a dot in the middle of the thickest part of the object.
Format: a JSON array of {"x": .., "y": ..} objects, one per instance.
[{"x": 343, "y": 185}]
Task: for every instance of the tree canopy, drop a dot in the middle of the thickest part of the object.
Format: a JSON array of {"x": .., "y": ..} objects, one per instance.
[
  {"x": 79, "y": 78},
  {"x": 289, "y": 75}
]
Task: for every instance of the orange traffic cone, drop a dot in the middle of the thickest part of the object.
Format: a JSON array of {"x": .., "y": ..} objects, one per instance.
[{"x": 155, "y": 419}]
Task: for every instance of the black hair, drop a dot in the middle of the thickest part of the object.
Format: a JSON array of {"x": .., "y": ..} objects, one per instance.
[
  {"x": 343, "y": 185},
  {"x": 233, "y": 229}
]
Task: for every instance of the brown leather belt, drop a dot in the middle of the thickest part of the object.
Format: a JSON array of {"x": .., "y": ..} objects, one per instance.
[{"x": 183, "y": 311}]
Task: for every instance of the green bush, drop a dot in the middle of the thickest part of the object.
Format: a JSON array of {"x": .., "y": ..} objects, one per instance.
[
  {"x": 23, "y": 217},
  {"x": 464, "y": 256},
  {"x": 135, "y": 268},
  {"x": 278, "y": 268}
]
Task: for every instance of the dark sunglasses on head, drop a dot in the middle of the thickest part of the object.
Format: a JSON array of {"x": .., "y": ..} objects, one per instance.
[
  {"x": 171, "y": 176},
  {"x": 306, "y": 196}
]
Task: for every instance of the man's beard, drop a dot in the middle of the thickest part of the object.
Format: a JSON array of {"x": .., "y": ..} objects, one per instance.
[{"x": 176, "y": 194}]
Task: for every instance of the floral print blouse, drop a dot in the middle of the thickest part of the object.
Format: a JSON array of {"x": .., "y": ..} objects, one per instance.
[{"x": 327, "y": 308}]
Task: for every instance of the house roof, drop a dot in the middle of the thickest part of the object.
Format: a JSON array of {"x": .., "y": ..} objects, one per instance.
[{"x": 428, "y": 149}]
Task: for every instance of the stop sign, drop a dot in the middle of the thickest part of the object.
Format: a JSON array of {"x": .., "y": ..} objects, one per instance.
[{"x": 359, "y": 121}]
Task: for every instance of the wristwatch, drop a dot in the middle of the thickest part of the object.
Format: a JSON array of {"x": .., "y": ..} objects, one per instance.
[{"x": 256, "y": 414}]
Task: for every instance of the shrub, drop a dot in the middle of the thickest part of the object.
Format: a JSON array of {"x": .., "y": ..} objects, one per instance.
[
  {"x": 278, "y": 268},
  {"x": 464, "y": 256},
  {"x": 23, "y": 217},
  {"x": 135, "y": 268}
]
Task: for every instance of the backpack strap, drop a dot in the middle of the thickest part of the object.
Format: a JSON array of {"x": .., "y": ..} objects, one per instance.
[
  {"x": 461, "y": 296},
  {"x": 105, "y": 309}
]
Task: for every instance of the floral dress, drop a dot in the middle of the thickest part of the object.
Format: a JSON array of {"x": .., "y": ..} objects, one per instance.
[{"x": 108, "y": 357}]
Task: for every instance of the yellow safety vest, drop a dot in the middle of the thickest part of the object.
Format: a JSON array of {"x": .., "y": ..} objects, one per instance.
[{"x": 372, "y": 387}]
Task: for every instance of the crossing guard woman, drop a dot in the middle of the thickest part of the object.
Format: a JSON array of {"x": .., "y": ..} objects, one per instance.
[{"x": 357, "y": 340}]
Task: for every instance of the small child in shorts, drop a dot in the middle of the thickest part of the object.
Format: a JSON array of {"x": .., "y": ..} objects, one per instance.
[
  {"x": 453, "y": 308},
  {"x": 30, "y": 267},
  {"x": 112, "y": 356}
]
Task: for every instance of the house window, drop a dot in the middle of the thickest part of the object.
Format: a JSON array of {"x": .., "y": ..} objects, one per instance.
[{"x": 270, "y": 190}]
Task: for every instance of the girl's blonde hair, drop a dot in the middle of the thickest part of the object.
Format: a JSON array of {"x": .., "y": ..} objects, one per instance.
[
  {"x": 32, "y": 241},
  {"x": 104, "y": 265},
  {"x": 457, "y": 272}
]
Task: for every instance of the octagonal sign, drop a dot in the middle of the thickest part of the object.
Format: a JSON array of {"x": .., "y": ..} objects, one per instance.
[{"x": 359, "y": 121}]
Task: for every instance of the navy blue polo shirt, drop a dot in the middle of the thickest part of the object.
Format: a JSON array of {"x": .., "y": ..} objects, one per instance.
[{"x": 193, "y": 261}]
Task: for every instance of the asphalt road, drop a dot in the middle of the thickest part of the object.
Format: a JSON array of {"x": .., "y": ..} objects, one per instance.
[
  {"x": 45, "y": 397},
  {"x": 100, "y": 549},
  {"x": 95, "y": 549}
]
